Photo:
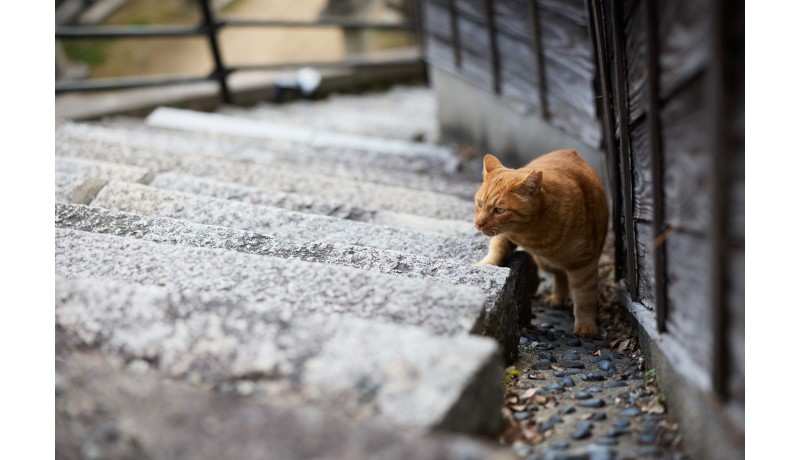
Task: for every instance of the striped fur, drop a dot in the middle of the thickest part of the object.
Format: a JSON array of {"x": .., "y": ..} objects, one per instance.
[{"x": 556, "y": 209}]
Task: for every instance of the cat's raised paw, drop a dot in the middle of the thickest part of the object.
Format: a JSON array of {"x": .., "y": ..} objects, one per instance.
[{"x": 586, "y": 329}]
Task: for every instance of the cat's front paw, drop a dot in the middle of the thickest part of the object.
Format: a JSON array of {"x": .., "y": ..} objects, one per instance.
[
  {"x": 483, "y": 263},
  {"x": 585, "y": 329}
]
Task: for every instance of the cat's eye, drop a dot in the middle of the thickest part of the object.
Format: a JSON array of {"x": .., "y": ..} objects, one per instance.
[
  {"x": 479, "y": 204},
  {"x": 499, "y": 210}
]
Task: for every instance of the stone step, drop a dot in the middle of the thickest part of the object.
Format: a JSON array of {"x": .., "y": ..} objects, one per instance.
[
  {"x": 136, "y": 136},
  {"x": 402, "y": 112},
  {"x": 278, "y": 179},
  {"x": 509, "y": 291},
  {"x": 405, "y": 376},
  {"x": 72, "y": 175},
  {"x": 361, "y": 167},
  {"x": 235, "y": 278},
  {"x": 313, "y": 205},
  {"x": 104, "y": 410},
  {"x": 282, "y": 223},
  {"x": 167, "y": 117}
]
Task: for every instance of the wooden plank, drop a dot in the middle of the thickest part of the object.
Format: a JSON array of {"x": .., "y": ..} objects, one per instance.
[
  {"x": 475, "y": 57},
  {"x": 636, "y": 58},
  {"x": 645, "y": 264},
  {"x": 538, "y": 48},
  {"x": 687, "y": 162},
  {"x": 517, "y": 58},
  {"x": 518, "y": 73},
  {"x": 621, "y": 103},
  {"x": 475, "y": 10},
  {"x": 734, "y": 94},
  {"x": 572, "y": 10},
  {"x": 641, "y": 156},
  {"x": 736, "y": 327},
  {"x": 439, "y": 53},
  {"x": 494, "y": 55},
  {"x": 573, "y": 122},
  {"x": 684, "y": 31},
  {"x": 436, "y": 21},
  {"x": 597, "y": 35},
  {"x": 689, "y": 296},
  {"x": 512, "y": 18},
  {"x": 456, "y": 33},
  {"x": 736, "y": 166},
  {"x": 570, "y": 87},
  {"x": 648, "y": 10},
  {"x": 567, "y": 42},
  {"x": 474, "y": 37}
]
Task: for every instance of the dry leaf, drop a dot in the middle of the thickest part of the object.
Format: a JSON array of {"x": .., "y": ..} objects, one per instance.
[
  {"x": 528, "y": 393},
  {"x": 653, "y": 407}
]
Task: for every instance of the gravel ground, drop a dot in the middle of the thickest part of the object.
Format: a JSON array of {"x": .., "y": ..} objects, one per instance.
[{"x": 574, "y": 398}]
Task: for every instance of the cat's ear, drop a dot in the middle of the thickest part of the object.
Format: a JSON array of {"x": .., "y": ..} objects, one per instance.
[
  {"x": 531, "y": 185},
  {"x": 490, "y": 163}
]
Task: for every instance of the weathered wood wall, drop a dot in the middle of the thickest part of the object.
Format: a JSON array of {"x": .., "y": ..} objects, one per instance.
[
  {"x": 676, "y": 72},
  {"x": 663, "y": 82},
  {"x": 538, "y": 54}
]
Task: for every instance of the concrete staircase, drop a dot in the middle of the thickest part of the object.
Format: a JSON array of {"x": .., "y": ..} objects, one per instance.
[{"x": 231, "y": 286}]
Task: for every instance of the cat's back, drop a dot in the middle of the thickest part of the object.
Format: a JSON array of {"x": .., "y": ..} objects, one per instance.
[{"x": 562, "y": 162}]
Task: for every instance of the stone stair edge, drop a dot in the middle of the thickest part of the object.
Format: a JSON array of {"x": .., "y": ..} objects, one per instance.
[
  {"x": 137, "y": 406},
  {"x": 353, "y": 363},
  {"x": 308, "y": 287},
  {"x": 503, "y": 287},
  {"x": 277, "y": 178},
  {"x": 283, "y": 223}
]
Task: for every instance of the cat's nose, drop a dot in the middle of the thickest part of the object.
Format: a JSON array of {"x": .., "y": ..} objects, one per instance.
[{"x": 480, "y": 223}]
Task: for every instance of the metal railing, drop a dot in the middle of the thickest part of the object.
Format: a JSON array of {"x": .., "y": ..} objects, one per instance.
[{"x": 209, "y": 28}]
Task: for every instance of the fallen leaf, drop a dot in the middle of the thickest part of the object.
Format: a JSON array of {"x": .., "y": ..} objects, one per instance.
[
  {"x": 528, "y": 393},
  {"x": 653, "y": 407}
]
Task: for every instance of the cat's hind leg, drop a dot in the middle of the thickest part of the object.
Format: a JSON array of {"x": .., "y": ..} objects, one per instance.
[
  {"x": 560, "y": 293},
  {"x": 583, "y": 287}
]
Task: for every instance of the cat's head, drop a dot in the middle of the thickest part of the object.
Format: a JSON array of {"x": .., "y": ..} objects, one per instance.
[{"x": 504, "y": 201}]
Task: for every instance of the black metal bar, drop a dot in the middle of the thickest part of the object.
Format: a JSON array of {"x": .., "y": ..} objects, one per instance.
[
  {"x": 536, "y": 31},
  {"x": 718, "y": 111},
  {"x": 656, "y": 161},
  {"x": 123, "y": 83},
  {"x": 621, "y": 96},
  {"x": 454, "y": 28},
  {"x": 596, "y": 29},
  {"x": 220, "y": 72},
  {"x": 325, "y": 22},
  {"x": 70, "y": 32},
  {"x": 489, "y": 4}
]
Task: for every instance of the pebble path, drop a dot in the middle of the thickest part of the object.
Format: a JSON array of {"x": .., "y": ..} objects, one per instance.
[{"x": 575, "y": 398}]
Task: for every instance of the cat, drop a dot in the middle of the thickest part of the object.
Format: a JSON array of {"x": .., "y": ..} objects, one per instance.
[{"x": 556, "y": 209}]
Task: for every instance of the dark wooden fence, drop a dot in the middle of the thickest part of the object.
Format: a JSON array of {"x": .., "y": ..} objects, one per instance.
[{"x": 659, "y": 84}]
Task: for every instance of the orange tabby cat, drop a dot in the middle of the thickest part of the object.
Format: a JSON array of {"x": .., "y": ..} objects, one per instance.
[{"x": 554, "y": 208}]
